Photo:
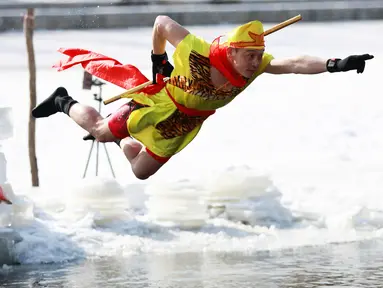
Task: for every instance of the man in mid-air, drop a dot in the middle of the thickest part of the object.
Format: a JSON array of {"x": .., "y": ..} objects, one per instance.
[{"x": 164, "y": 118}]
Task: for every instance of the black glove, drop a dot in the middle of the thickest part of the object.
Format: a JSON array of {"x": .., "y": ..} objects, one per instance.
[
  {"x": 353, "y": 62},
  {"x": 161, "y": 65}
]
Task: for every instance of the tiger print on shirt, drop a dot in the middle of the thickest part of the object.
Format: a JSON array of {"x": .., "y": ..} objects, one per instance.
[{"x": 200, "y": 84}]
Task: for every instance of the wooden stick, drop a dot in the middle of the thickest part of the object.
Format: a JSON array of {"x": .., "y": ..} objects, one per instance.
[
  {"x": 283, "y": 24},
  {"x": 139, "y": 87},
  {"x": 131, "y": 91}
]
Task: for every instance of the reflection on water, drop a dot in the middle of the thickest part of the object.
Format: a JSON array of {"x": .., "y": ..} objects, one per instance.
[{"x": 358, "y": 264}]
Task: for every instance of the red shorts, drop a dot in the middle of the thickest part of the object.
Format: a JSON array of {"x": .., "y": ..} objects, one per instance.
[
  {"x": 118, "y": 120},
  {"x": 119, "y": 127}
]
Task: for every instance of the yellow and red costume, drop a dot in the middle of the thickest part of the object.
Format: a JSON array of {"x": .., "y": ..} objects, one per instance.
[{"x": 171, "y": 114}]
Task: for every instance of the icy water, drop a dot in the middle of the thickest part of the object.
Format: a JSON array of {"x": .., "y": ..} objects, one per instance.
[
  {"x": 356, "y": 264},
  {"x": 282, "y": 188}
]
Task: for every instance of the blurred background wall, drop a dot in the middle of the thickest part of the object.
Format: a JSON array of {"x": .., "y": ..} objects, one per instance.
[{"x": 93, "y": 14}]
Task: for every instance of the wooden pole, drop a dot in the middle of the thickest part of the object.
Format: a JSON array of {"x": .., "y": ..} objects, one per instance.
[
  {"x": 28, "y": 30},
  {"x": 283, "y": 24},
  {"x": 131, "y": 91}
]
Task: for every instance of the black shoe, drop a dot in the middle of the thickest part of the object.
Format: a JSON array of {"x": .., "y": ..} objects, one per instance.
[
  {"x": 59, "y": 101},
  {"x": 88, "y": 137}
]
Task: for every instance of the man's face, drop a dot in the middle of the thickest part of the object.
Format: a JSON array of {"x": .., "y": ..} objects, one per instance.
[{"x": 245, "y": 61}]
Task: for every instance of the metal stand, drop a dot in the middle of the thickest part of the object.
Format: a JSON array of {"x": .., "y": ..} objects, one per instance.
[{"x": 98, "y": 98}]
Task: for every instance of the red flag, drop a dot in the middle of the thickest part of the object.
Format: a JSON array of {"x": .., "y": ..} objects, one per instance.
[{"x": 126, "y": 76}]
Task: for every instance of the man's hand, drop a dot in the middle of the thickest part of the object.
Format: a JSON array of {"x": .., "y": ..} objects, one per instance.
[
  {"x": 161, "y": 65},
  {"x": 353, "y": 62}
]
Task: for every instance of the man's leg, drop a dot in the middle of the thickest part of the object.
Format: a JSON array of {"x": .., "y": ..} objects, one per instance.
[
  {"x": 90, "y": 120},
  {"x": 143, "y": 165},
  {"x": 85, "y": 116}
]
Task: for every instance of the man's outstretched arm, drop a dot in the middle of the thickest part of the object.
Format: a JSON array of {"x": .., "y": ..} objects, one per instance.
[{"x": 316, "y": 65}]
